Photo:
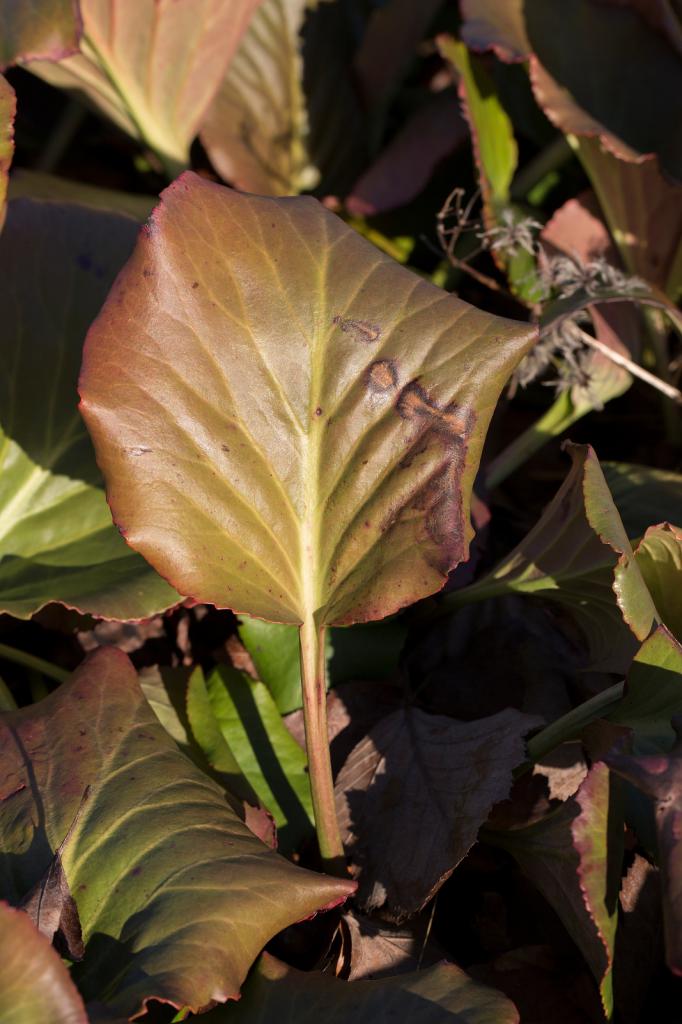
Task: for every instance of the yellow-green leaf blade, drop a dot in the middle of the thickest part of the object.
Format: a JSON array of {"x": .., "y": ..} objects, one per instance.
[{"x": 289, "y": 422}]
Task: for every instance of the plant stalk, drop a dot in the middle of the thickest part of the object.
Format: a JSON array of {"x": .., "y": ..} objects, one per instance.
[
  {"x": 313, "y": 678},
  {"x": 60, "y": 675}
]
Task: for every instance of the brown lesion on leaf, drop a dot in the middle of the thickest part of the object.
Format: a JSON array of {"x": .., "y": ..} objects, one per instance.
[
  {"x": 359, "y": 330},
  {"x": 382, "y": 375},
  {"x": 441, "y": 496}
]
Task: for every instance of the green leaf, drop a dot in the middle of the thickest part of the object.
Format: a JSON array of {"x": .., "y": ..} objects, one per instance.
[
  {"x": 496, "y": 155},
  {"x": 8, "y": 107},
  {"x": 37, "y": 30},
  {"x": 578, "y": 555},
  {"x": 176, "y": 897},
  {"x": 264, "y": 750},
  {"x": 659, "y": 559},
  {"x": 206, "y": 733},
  {"x": 278, "y": 994},
  {"x": 153, "y": 68},
  {"x": 28, "y": 184},
  {"x": 34, "y": 982},
  {"x": 274, "y": 649},
  {"x": 57, "y": 542},
  {"x": 650, "y": 698},
  {"x": 576, "y": 52},
  {"x": 643, "y": 495},
  {"x": 492, "y": 132},
  {"x": 368, "y": 651},
  {"x": 300, "y": 419}
]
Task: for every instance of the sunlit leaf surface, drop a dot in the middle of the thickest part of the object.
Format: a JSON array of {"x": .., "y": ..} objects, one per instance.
[
  {"x": 289, "y": 422},
  {"x": 176, "y": 897}
]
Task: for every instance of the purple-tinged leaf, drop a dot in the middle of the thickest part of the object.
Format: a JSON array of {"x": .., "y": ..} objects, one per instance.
[
  {"x": 176, "y": 897},
  {"x": 404, "y": 167},
  {"x": 660, "y": 777},
  {"x": 153, "y": 66},
  {"x": 278, "y": 994},
  {"x": 35, "y": 985},
  {"x": 574, "y": 857},
  {"x": 413, "y": 794},
  {"x": 8, "y": 106},
  {"x": 288, "y": 421},
  {"x": 38, "y": 30}
]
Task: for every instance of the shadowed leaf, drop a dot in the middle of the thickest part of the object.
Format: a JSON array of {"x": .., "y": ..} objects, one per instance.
[
  {"x": 29, "y": 184},
  {"x": 577, "y": 52},
  {"x": 574, "y": 856},
  {"x": 176, "y": 897},
  {"x": 404, "y": 166},
  {"x": 643, "y": 495},
  {"x": 300, "y": 419},
  {"x": 37, "y": 30},
  {"x": 57, "y": 542},
  {"x": 35, "y": 984},
  {"x": 651, "y": 696},
  {"x": 278, "y": 994},
  {"x": 578, "y": 555},
  {"x": 51, "y": 906},
  {"x": 643, "y": 211},
  {"x": 8, "y": 106},
  {"x": 660, "y": 777},
  {"x": 153, "y": 66},
  {"x": 448, "y": 774}
]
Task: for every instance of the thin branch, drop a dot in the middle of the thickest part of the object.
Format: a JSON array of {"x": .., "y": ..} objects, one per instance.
[{"x": 637, "y": 371}]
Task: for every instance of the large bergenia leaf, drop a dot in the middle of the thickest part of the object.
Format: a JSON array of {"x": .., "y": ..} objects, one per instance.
[
  {"x": 154, "y": 66},
  {"x": 37, "y": 30},
  {"x": 278, "y": 994},
  {"x": 577, "y": 51},
  {"x": 34, "y": 983},
  {"x": 288, "y": 421},
  {"x": 448, "y": 773},
  {"x": 57, "y": 542},
  {"x": 8, "y": 106},
  {"x": 579, "y": 555},
  {"x": 176, "y": 897}
]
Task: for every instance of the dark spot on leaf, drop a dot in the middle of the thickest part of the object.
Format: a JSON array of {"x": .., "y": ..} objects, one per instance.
[
  {"x": 359, "y": 330},
  {"x": 136, "y": 871},
  {"x": 147, "y": 272},
  {"x": 195, "y": 284},
  {"x": 318, "y": 411},
  {"x": 382, "y": 375}
]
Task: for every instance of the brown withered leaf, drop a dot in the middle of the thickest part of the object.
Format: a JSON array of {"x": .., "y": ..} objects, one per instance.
[
  {"x": 51, "y": 906},
  {"x": 413, "y": 794}
]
